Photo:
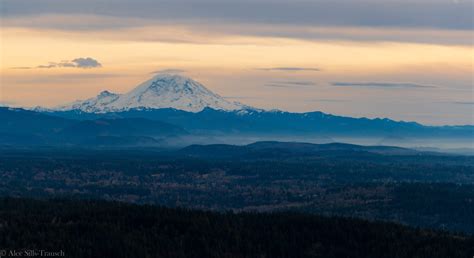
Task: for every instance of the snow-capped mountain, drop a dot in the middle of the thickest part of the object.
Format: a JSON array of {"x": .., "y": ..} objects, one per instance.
[{"x": 161, "y": 91}]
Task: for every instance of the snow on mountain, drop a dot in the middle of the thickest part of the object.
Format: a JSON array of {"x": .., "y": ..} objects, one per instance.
[
  {"x": 100, "y": 103},
  {"x": 161, "y": 91}
]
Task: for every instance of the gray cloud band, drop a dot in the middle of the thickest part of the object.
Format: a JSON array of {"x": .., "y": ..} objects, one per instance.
[
  {"x": 81, "y": 62},
  {"x": 381, "y": 85},
  {"x": 455, "y": 15},
  {"x": 420, "y": 21}
]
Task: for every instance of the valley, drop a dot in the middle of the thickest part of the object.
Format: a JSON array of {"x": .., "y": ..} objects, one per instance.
[{"x": 391, "y": 184}]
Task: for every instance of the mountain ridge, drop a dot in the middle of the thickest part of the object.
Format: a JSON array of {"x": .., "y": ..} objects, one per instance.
[
  {"x": 278, "y": 122},
  {"x": 214, "y": 126},
  {"x": 280, "y": 149}
]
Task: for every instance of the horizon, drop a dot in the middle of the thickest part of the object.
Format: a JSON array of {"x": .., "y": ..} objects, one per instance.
[{"x": 358, "y": 66}]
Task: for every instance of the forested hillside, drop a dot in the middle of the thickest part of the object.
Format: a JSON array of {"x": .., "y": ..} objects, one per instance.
[{"x": 112, "y": 229}]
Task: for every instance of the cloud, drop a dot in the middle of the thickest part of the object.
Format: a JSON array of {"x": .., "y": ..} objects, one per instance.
[
  {"x": 138, "y": 29},
  {"x": 381, "y": 85},
  {"x": 169, "y": 71},
  {"x": 463, "y": 102},
  {"x": 85, "y": 62},
  {"x": 277, "y": 85},
  {"x": 296, "y": 83},
  {"x": 327, "y": 100},
  {"x": 373, "y": 13},
  {"x": 290, "y": 84},
  {"x": 51, "y": 65},
  {"x": 420, "y": 21},
  {"x": 290, "y": 69},
  {"x": 21, "y": 67},
  {"x": 80, "y": 62}
]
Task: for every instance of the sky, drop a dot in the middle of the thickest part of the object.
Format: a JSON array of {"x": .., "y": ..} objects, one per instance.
[{"x": 408, "y": 60}]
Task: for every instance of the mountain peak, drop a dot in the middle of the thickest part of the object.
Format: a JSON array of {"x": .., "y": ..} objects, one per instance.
[
  {"x": 171, "y": 76},
  {"x": 161, "y": 91},
  {"x": 170, "y": 81},
  {"x": 106, "y": 93}
]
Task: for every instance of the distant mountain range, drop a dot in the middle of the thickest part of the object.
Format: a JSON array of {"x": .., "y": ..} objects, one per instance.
[
  {"x": 29, "y": 128},
  {"x": 173, "y": 108},
  {"x": 258, "y": 122}
]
